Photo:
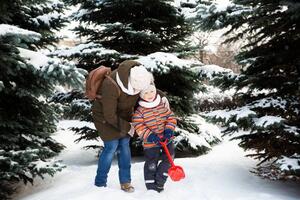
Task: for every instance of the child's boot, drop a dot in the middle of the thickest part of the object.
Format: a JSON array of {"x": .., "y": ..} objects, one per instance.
[
  {"x": 159, "y": 188},
  {"x": 151, "y": 186}
]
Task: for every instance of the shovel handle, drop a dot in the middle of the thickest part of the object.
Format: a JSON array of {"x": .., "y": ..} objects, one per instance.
[{"x": 164, "y": 145}]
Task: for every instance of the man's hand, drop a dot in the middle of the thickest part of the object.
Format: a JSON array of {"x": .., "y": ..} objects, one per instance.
[{"x": 131, "y": 131}]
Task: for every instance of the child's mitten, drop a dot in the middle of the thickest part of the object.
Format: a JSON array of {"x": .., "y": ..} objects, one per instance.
[
  {"x": 168, "y": 134},
  {"x": 153, "y": 138}
]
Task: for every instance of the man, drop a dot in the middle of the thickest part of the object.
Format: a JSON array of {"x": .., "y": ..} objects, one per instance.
[{"x": 112, "y": 116}]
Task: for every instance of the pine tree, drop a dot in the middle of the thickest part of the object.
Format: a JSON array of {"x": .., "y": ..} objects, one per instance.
[
  {"x": 103, "y": 45},
  {"x": 113, "y": 31},
  {"x": 27, "y": 119},
  {"x": 117, "y": 30},
  {"x": 40, "y": 16},
  {"x": 267, "y": 98},
  {"x": 26, "y": 122},
  {"x": 132, "y": 27}
]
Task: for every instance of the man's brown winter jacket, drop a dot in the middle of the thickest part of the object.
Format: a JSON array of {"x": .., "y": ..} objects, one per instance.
[{"x": 112, "y": 113}]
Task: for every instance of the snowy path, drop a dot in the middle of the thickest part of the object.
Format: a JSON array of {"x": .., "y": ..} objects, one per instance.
[{"x": 223, "y": 174}]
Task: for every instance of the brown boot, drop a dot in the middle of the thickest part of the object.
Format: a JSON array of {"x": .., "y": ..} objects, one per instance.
[{"x": 127, "y": 187}]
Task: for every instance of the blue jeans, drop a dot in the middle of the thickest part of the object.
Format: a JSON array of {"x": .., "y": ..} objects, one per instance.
[{"x": 121, "y": 146}]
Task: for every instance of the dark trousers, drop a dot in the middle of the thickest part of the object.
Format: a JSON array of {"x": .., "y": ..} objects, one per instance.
[{"x": 155, "y": 172}]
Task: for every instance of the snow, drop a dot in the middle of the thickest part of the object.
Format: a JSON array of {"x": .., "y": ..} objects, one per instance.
[
  {"x": 161, "y": 61},
  {"x": 214, "y": 94},
  {"x": 37, "y": 59},
  {"x": 1, "y": 85},
  {"x": 82, "y": 103},
  {"x": 239, "y": 113},
  {"x": 216, "y": 6},
  {"x": 245, "y": 112},
  {"x": 74, "y": 155},
  {"x": 55, "y": 68},
  {"x": 66, "y": 31},
  {"x": 47, "y": 18},
  {"x": 13, "y": 84},
  {"x": 209, "y": 131},
  {"x": 186, "y": 11},
  {"x": 270, "y": 102},
  {"x": 292, "y": 129},
  {"x": 194, "y": 140},
  {"x": 214, "y": 40},
  {"x": 289, "y": 163},
  {"x": 80, "y": 49},
  {"x": 81, "y": 13},
  {"x": 42, "y": 165},
  {"x": 63, "y": 125},
  {"x": 222, "y": 174},
  {"x": 222, "y": 5},
  {"x": 6, "y": 29},
  {"x": 211, "y": 70},
  {"x": 266, "y": 121}
]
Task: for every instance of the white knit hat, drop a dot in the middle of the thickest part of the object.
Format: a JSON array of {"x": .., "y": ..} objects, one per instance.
[
  {"x": 140, "y": 78},
  {"x": 151, "y": 87}
]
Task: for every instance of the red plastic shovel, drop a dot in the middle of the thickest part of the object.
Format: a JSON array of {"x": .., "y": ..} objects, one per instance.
[{"x": 175, "y": 172}]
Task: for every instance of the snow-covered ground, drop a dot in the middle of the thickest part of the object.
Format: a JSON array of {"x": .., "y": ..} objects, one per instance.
[{"x": 222, "y": 174}]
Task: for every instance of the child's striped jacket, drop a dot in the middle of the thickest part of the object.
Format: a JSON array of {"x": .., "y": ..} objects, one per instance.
[{"x": 147, "y": 120}]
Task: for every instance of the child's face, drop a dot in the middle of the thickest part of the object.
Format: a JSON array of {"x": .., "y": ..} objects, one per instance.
[{"x": 149, "y": 95}]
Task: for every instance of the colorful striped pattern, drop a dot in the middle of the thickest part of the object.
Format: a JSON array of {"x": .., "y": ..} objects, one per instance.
[{"x": 152, "y": 120}]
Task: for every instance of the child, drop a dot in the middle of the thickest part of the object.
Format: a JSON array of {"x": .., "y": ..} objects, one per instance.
[{"x": 153, "y": 122}]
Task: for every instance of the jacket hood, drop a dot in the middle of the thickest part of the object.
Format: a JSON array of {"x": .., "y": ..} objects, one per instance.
[{"x": 124, "y": 70}]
